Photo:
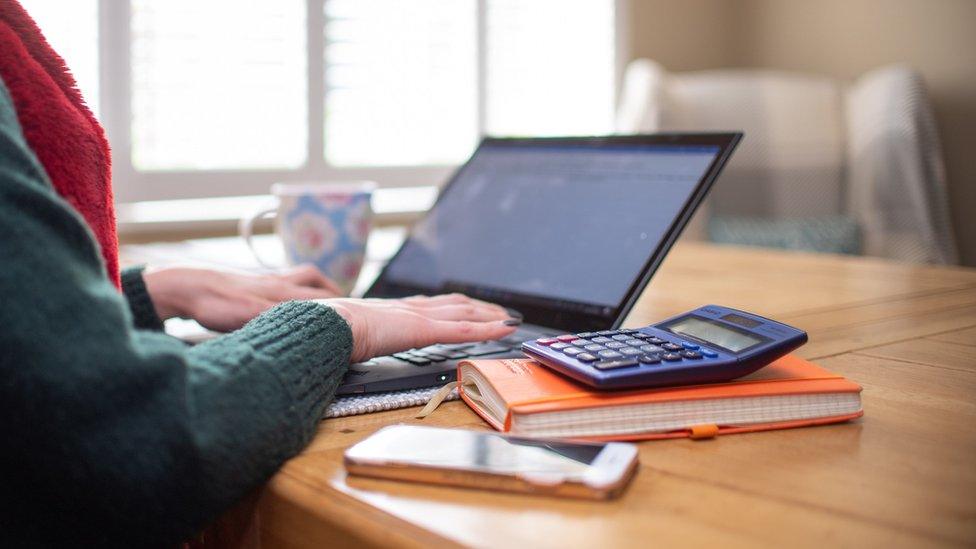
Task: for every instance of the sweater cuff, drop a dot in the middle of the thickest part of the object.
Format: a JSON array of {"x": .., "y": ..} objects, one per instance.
[
  {"x": 310, "y": 345},
  {"x": 144, "y": 315}
]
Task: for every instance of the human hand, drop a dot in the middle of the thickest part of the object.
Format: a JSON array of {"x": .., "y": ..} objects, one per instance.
[
  {"x": 225, "y": 301},
  {"x": 384, "y": 326}
]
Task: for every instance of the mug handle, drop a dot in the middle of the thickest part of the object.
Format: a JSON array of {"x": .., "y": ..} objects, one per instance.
[{"x": 246, "y": 228}]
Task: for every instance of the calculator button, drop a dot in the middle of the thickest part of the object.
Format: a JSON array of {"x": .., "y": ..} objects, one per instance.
[
  {"x": 559, "y": 346},
  {"x": 594, "y": 348},
  {"x": 634, "y": 342},
  {"x": 579, "y": 342},
  {"x": 616, "y": 345},
  {"x": 614, "y": 364},
  {"x": 671, "y": 357},
  {"x": 607, "y": 333},
  {"x": 629, "y": 351},
  {"x": 694, "y": 355},
  {"x": 628, "y": 331},
  {"x": 546, "y": 341},
  {"x": 642, "y": 335},
  {"x": 656, "y": 340},
  {"x": 586, "y": 335},
  {"x": 609, "y": 354},
  {"x": 586, "y": 357},
  {"x": 621, "y": 337},
  {"x": 417, "y": 361},
  {"x": 601, "y": 339},
  {"x": 566, "y": 338},
  {"x": 671, "y": 347},
  {"x": 708, "y": 354},
  {"x": 690, "y": 346},
  {"x": 572, "y": 351},
  {"x": 652, "y": 358},
  {"x": 650, "y": 348}
]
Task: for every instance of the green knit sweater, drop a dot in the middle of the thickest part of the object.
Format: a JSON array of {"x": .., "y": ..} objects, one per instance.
[{"x": 115, "y": 433}]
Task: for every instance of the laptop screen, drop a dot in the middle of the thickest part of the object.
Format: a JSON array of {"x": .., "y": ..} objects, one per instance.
[{"x": 570, "y": 226}]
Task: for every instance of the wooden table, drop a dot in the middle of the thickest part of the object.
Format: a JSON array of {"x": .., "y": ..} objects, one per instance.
[{"x": 903, "y": 475}]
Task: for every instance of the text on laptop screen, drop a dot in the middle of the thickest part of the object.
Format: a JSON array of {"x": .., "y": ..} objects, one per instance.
[{"x": 569, "y": 223}]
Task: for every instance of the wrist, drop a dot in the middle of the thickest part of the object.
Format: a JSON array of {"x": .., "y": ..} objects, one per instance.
[
  {"x": 356, "y": 326},
  {"x": 165, "y": 289},
  {"x": 336, "y": 305}
]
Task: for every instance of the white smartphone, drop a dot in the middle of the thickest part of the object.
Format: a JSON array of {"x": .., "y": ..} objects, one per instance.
[{"x": 480, "y": 459}]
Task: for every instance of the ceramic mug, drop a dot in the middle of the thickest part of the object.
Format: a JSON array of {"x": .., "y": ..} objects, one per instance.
[{"x": 325, "y": 224}]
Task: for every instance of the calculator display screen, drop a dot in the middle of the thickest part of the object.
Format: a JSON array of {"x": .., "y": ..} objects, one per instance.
[{"x": 714, "y": 332}]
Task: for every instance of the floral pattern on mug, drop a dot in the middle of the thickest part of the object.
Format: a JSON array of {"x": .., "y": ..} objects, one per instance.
[
  {"x": 358, "y": 224},
  {"x": 332, "y": 201},
  {"x": 330, "y": 231},
  {"x": 312, "y": 236}
]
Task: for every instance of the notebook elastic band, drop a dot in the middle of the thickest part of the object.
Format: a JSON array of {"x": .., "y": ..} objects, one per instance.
[{"x": 708, "y": 430}]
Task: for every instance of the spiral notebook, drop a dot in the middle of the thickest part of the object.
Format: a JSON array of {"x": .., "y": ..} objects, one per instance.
[{"x": 355, "y": 405}]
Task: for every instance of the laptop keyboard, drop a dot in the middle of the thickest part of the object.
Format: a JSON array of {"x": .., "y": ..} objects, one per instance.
[{"x": 456, "y": 351}]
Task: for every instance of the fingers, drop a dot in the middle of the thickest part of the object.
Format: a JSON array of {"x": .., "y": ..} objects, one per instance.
[
  {"x": 468, "y": 311},
  {"x": 451, "y": 299},
  {"x": 448, "y": 331},
  {"x": 309, "y": 276},
  {"x": 433, "y": 300},
  {"x": 382, "y": 327}
]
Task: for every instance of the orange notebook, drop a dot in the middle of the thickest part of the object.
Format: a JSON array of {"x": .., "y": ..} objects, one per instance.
[{"x": 523, "y": 397}]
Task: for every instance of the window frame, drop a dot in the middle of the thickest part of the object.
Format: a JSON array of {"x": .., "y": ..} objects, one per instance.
[{"x": 132, "y": 185}]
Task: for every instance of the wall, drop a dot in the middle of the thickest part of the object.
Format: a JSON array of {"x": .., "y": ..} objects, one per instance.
[
  {"x": 686, "y": 35},
  {"x": 841, "y": 38}
]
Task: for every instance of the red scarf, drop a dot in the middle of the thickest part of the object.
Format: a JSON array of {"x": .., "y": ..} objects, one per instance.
[{"x": 58, "y": 126}]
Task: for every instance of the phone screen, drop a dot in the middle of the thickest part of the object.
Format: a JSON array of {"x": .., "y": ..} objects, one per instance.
[{"x": 471, "y": 450}]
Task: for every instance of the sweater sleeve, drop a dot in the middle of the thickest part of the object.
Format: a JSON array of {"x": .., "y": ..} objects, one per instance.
[
  {"x": 144, "y": 314},
  {"x": 115, "y": 435}
]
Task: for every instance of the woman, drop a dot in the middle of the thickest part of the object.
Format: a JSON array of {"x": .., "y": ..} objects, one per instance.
[{"x": 116, "y": 433}]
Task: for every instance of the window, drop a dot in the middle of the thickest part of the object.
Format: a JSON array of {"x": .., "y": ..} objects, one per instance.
[
  {"x": 225, "y": 97},
  {"x": 233, "y": 71},
  {"x": 401, "y": 81}
]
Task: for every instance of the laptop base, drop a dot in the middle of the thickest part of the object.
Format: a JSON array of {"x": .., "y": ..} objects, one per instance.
[{"x": 433, "y": 365}]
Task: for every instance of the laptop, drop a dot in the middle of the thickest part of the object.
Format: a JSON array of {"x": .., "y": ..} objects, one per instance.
[{"x": 566, "y": 231}]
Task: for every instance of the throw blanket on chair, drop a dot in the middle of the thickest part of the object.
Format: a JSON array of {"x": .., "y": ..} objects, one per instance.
[
  {"x": 825, "y": 166},
  {"x": 59, "y": 127}
]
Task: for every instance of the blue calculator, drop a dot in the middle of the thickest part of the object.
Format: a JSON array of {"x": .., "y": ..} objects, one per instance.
[{"x": 707, "y": 345}]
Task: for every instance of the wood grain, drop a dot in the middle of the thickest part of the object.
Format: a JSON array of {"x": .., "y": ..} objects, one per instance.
[
  {"x": 903, "y": 475},
  {"x": 962, "y": 337},
  {"x": 943, "y": 354}
]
